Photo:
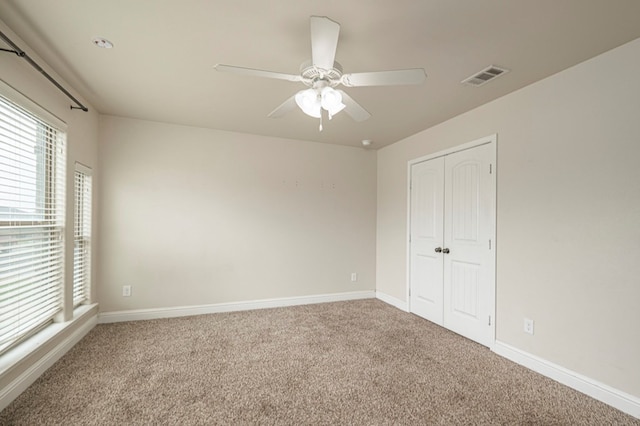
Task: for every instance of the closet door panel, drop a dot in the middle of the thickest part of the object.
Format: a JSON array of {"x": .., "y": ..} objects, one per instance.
[
  {"x": 467, "y": 216},
  {"x": 426, "y": 235}
]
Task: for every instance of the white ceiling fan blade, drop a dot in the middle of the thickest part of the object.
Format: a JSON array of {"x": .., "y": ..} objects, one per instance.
[
  {"x": 257, "y": 73},
  {"x": 384, "y": 78},
  {"x": 284, "y": 108},
  {"x": 353, "y": 109},
  {"x": 324, "y": 41}
]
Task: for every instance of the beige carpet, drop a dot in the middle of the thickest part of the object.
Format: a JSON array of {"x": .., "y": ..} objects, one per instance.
[{"x": 360, "y": 362}]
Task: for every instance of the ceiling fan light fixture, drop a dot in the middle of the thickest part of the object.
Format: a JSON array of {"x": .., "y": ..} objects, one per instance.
[
  {"x": 308, "y": 102},
  {"x": 330, "y": 98}
]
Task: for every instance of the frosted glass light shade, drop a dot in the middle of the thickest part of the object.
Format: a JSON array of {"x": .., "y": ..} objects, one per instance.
[
  {"x": 330, "y": 98},
  {"x": 308, "y": 102}
]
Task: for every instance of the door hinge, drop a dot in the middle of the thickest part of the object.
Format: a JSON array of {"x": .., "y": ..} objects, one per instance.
[
  {"x": 490, "y": 168},
  {"x": 489, "y": 244},
  {"x": 489, "y": 319}
]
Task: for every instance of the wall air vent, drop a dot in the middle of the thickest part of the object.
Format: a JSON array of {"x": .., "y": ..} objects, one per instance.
[{"x": 485, "y": 76}]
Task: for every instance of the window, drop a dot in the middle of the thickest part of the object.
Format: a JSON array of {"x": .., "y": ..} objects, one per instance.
[
  {"x": 82, "y": 235},
  {"x": 32, "y": 197}
]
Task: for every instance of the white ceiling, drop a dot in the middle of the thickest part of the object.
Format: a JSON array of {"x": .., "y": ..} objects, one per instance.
[{"x": 161, "y": 68}]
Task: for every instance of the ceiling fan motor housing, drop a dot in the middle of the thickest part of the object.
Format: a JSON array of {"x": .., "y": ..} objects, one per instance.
[{"x": 312, "y": 74}]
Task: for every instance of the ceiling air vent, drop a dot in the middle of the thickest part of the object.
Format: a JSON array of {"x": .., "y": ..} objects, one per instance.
[{"x": 485, "y": 76}]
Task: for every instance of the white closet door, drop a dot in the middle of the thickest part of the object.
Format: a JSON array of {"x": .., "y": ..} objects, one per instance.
[
  {"x": 426, "y": 234},
  {"x": 468, "y": 228}
]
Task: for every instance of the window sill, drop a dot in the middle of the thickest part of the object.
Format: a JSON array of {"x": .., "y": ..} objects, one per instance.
[{"x": 23, "y": 364}]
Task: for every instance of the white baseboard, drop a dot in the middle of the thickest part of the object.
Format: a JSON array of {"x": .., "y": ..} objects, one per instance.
[
  {"x": 183, "y": 311},
  {"x": 24, "y": 380},
  {"x": 393, "y": 301},
  {"x": 611, "y": 396}
]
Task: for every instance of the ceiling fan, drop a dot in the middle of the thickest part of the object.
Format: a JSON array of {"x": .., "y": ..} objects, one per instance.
[{"x": 323, "y": 74}]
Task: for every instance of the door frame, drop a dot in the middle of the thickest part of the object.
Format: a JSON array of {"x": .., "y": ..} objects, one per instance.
[{"x": 491, "y": 140}]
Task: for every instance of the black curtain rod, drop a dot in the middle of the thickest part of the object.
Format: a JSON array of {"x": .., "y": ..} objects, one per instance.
[{"x": 21, "y": 53}]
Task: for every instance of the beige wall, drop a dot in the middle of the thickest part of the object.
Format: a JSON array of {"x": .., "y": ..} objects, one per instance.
[
  {"x": 195, "y": 216},
  {"x": 568, "y": 214}
]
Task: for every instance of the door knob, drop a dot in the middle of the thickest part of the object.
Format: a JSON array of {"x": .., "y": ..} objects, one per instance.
[
  {"x": 445, "y": 251},
  {"x": 438, "y": 249}
]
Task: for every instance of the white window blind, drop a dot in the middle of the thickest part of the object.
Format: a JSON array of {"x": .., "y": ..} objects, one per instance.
[
  {"x": 82, "y": 235},
  {"x": 32, "y": 197}
]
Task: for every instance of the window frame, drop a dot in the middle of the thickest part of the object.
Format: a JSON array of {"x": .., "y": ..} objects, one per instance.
[
  {"x": 52, "y": 222},
  {"x": 82, "y": 218}
]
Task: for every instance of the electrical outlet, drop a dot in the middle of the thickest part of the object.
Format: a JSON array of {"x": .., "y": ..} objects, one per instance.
[
  {"x": 528, "y": 326},
  {"x": 354, "y": 276},
  {"x": 126, "y": 290}
]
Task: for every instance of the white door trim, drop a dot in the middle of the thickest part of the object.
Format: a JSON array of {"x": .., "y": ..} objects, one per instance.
[{"x": 492, "y": 140}]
